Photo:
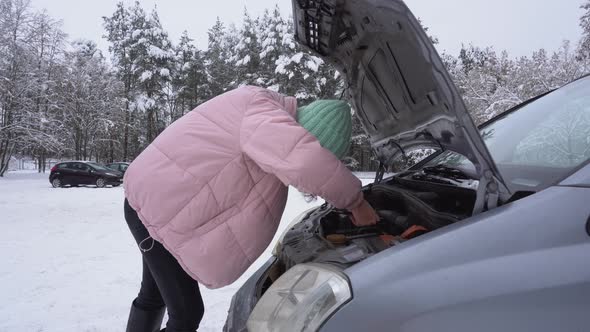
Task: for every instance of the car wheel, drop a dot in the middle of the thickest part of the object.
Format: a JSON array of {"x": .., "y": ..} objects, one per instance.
[
  {"x": 100, "y": 182},
  {"x": 56, "y": 183}
]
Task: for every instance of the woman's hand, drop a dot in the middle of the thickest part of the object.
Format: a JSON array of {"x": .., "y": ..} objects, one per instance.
[{"x": 364, "y": 215}]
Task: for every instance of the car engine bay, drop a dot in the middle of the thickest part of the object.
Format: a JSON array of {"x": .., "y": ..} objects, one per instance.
[{"x": 408, "y": 208}]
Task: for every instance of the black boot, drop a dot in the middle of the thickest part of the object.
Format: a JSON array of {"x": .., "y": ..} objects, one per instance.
[{"x": 141, "y": 320}]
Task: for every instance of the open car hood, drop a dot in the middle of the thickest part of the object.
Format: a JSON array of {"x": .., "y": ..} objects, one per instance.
[{"x": 397, "y": 83}]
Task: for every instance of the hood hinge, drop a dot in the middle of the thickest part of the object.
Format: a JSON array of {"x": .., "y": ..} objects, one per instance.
[{"x": 488, "y": 196}]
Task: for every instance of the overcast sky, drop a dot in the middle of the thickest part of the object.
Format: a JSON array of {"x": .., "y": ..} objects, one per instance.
[{"x": 518, "y": 26}]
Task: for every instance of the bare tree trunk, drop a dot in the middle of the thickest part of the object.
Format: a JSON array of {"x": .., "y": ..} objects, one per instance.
[
  {"x": 41, "y": 163},
  {"x": 111, "y": 150},
  {"x": 150, "y": 125},
  {"x": 85, "y": 146},
  {"x": 6, "y": 150},
  {"x": 126, "y": 133}
]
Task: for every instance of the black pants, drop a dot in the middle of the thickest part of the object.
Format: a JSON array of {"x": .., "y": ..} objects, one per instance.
[{"x": 164, "y": 282}]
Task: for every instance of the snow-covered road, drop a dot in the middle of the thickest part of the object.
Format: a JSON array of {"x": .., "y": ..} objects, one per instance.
[{"x": 69, "y": 262}]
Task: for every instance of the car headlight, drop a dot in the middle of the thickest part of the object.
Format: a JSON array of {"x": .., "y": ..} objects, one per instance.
[
  {"x": 301, "y": 299},
  {"x": 111, "y": 174}
]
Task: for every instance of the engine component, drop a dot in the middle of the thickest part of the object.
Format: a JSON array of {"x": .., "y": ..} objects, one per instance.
[
  {"x": 337, "y": 239},
  {"x": 327, "y": 235}
]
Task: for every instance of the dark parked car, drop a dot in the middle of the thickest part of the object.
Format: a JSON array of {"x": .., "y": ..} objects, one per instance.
[
  {"x": 76, "y": 173},
  {"x": 490, "y": 233},
  {"x": 119, "y": 166}
]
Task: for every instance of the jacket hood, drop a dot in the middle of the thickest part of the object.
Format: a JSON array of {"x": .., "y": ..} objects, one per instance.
[{"x": 396, "y": 81}]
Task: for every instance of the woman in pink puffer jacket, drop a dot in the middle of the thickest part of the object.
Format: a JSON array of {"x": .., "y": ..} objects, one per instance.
[{"x": 204, "y": 200}]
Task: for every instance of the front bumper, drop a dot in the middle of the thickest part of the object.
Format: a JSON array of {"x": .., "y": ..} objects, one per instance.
[{"x": 245, "y": 299}]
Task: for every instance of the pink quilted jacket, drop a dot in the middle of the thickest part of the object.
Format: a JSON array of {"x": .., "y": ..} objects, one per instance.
[{"x": 212, "y": 187}]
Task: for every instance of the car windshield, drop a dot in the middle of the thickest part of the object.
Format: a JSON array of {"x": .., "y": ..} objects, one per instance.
[
  {"x": 99, "y": 167},
  {"x": 540, "y": 143}
]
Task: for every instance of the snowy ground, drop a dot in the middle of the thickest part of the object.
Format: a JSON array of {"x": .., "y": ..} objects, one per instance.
[{"x": 69, "y": 262}]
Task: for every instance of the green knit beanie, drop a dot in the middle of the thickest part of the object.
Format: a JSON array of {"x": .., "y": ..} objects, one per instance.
[{"x": 330, "y": 122}]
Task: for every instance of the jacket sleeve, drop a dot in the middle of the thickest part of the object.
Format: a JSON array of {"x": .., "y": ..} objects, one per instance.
[{"x": 273, "y": 139}]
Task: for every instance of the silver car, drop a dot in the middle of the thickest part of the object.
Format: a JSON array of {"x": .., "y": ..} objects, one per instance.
[{"x": 491, "y": 232}]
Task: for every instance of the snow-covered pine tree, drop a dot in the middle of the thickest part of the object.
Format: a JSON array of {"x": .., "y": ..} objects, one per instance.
[
  {"x": 566, "y": 65},
  {"x": 329, "y": 82},
  {"x": 189, "y": 77},
  {"x": 183, "y": 58},
  {"x": 219, "y": 74},
  {"x": 531, "y": 74},
  {"x": 478, "y": 80},
  {"x": 584, "y": 48},
  {"x": 298, "y": 71},
  {"x": 107, "y": 105},
  {"x": 491, "y": 83},
  {"x": 271, "y": 36},
  {"x": 119, "y": 34},
  {"x": 197, "y": 80},
  {"x": 246, "y": 53},
  {"x": 152, "y": 66}
]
